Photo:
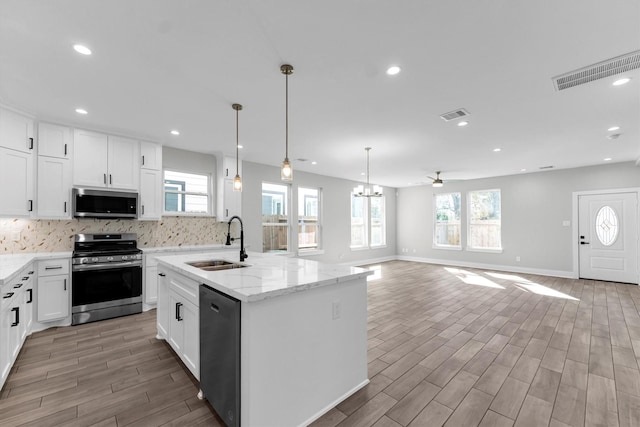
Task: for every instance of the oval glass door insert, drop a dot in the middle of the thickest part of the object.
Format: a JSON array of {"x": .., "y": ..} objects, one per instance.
[{"x": 607, "y": 225}]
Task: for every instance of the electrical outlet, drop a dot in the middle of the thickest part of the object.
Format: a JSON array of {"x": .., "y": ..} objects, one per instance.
[{"x": 336, "y": 310}]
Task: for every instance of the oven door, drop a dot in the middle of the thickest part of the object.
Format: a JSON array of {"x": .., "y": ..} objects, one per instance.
[{"x": 98, "y": 286}]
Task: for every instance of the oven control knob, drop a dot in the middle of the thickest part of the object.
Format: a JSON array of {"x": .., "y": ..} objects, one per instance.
[
  {"x": 94, "y": 259},
  {"x": 124, "y": 257},
  {"x": 109, "y": 258},
  {"x": 84, "y": 260}
]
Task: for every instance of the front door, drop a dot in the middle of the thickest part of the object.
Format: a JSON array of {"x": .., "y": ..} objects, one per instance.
[{"x": 608, "y": 236}]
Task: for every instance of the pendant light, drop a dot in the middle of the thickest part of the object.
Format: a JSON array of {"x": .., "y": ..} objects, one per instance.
[
  {"x": 368, "y": 191},
  {"x": 237, "y": 181},
  {"x": 286, "y": 174}
]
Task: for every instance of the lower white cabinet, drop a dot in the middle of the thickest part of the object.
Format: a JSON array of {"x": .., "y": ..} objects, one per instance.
[
  {"x": 15, "y": 318},
  {"x": 179, "y": 316},
  {"x": 54, "y": 289}
]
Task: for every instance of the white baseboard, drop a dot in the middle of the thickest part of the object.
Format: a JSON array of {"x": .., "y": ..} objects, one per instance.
[
  {"x": 370, "y": 261},
  {"x": 510, "y": 268}
]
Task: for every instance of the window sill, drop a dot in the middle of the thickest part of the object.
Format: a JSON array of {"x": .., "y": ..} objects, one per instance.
[
  {"x": 311, "y": 252},
  {"x": 447, "y": 248},
  {"x": 486, "y": 250}
]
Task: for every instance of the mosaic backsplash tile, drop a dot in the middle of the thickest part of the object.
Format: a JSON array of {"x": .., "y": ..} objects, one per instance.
[{"x": 40, "y": 235}]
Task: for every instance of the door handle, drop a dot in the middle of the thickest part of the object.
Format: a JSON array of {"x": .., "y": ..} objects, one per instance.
[
  {"x": 584, "y": 243},
  {"x": 178, "y": 305},
  {"x": 17, "y": 311}
]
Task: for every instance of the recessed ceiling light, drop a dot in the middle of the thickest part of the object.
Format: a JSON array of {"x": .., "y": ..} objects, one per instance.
[
  {"x": 393, "y": 70},
  {"x": 81, "y": 111},
  {"x": 607, "y": 159},
  {"x": 362, "y": 173},
  {"x": 240, "y": 146},
  {"x": 612, "y": 128},
  {"x": 523, "y": 170},
  {"x": 497, "y": 149},
  {"x": 314, "y": 163},
  {"x": 621, "y": 81},
  {"x": 463, "y": 123},
  {"x": 175, "y": 132},
  {"x": 82, "y": 49}
]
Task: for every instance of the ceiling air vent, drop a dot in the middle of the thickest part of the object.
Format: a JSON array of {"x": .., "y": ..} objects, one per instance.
[
  {"x": 610, "y": 67},
  {"x": 451, "y": 115}
]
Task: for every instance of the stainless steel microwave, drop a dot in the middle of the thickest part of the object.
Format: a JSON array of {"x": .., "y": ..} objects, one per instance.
[{"x": 91, "y": 203}]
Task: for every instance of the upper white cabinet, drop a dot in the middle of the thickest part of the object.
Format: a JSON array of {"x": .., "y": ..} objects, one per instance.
[
  {"x": 16, "y": 176},
  {"x": 54, "y": 188},
  {"x": 54, "y": 141},
  {"x": 150, "y": 194},
  {"x": 16, "y": 164},
  {"x": 53, "y": 196},
  {"x": 105, "y": 161},
  {"x": 229, "y": 202},
  {"x": 16, "y": 131},
  {"x": 150, "y": 156}
]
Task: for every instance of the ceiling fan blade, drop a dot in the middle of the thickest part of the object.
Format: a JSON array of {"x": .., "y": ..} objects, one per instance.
[{"x": 430, "y": 177}]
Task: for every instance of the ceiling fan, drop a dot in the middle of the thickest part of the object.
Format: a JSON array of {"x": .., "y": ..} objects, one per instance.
[{"x": 437, "y": 182}]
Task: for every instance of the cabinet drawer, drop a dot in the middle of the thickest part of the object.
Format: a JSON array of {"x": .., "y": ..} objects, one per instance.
[
  {"x": 51, "y": 267},
  {"x": 186, "y": 288}
]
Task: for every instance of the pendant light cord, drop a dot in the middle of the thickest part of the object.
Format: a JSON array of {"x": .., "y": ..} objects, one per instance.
[
  {"x": 237, "y": 139},
  {"x": 286, "y": 114}
]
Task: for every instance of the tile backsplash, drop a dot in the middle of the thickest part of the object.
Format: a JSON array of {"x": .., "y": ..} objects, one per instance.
[{"x": 41, "y": 235}]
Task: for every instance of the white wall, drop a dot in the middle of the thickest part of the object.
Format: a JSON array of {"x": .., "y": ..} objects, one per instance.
[
  {"x": 336, "y": 213},
  {"x": 534, "y": 205}
]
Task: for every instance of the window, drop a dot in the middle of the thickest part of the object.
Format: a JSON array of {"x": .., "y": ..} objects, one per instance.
[
  {"x": 484, "y": 220},
  {"x": 368, "y": 225},
  {"x": 187, "y": 193},
  {"x": 308, "y": 218},
  {"x": 275, "y": 217},
  {"x": 446, "y": 233}
]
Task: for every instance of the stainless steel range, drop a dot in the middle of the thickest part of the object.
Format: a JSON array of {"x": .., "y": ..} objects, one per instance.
[{"x": 106, "y": 272}]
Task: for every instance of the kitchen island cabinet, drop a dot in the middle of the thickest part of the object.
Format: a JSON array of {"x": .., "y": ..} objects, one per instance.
[{"x": 303, "y": 331}]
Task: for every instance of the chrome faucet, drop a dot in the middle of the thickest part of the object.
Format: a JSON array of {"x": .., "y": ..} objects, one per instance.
[{"x": 243, "y": 254}]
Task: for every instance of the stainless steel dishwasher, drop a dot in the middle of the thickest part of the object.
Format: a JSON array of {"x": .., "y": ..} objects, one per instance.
[{"x": 220, "y": 353}]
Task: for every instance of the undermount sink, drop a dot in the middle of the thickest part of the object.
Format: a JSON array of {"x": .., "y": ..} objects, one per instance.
[{"x": 215, "y": 265}]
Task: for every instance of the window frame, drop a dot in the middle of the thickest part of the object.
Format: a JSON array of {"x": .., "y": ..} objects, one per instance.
[
  {"x": 435, "y": 244},
  {"x": 208, "y": 194},
  {"x": 318, "y": 249},
  {"x": 368, "y": 223},
  {"x": 469, "y": 225},
  {"x": 288, "y": 213}
]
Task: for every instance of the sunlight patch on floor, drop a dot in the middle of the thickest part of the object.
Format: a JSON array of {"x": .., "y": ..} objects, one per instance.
[
  {"x": 472, "y": 278},
  {"x": 377, "y": 272},
  {"x": 529, "y": 286}
]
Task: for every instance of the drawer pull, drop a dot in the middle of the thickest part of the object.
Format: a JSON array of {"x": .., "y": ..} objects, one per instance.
[
  {"x": 7, "y": 295},
  {"x": 16, "y": 310},
  {"x": 178, "y": 317},
  {"x": 18, "y": 286},
  {"x": 30, "y": 296},
  {"x": 53, "y": 267},
  {"x": 161, "y": 274}
]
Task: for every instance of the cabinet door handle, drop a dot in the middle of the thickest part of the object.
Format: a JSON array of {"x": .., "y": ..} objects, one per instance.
[
  {"x": 30, "y": 143},
  {"x": 30, "y": 205},
  {"x": 142, "y": 160},
  {"x": 18, "y": 286},
  {"x": 161, "y": 274},
  {"x": 53, "y": 267},
  {"x": 30, "y": 296},
  {"x": 65, "y": 149},
  {"x": 65, "y": 207},
  {"x": 105, "y": 178},
  {"x": 25, "y": 278},
  {"x": 142, "y": 209},
  {"x": 226, "y": 213},
  {"x": 16, "y": 310},
  {"x": 31, "y": 272},
  {"x": 178, "y": 305},
  {"x": 110, "y": 181},
  {"x": 65, "y": 284},
  {"x": 7, "y": 295}
]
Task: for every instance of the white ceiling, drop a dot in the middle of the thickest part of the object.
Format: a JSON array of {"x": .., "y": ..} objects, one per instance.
[{"x": 167, "y": 64}]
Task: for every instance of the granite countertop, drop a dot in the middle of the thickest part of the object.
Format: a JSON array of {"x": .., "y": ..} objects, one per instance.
[
  {"x": 266, "y": 276},
  {"x": 10, "y": 265}
]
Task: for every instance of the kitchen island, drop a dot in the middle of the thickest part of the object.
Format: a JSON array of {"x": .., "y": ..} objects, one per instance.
[{"x": 303, "y": 330}]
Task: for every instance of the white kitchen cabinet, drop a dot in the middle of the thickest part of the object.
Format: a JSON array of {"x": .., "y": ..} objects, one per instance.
[
  {"x": 15, "y": 318},
  {"x": 229, "y": 202},
  {"x": 105, "y": 161},
  {"x": 54, "y": 289},
  {"x": 54, "y": 141},
  {"x": 150, "y": 156},
  {"x": 180, "y": 311},
  {"x": 150, "y": 194},
  {"x": 16, "y": 131},
  {"x": 54, "y": 188},
  {"x": 16, "y": 176}
]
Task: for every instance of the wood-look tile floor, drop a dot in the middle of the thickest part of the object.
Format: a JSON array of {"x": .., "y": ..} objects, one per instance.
[{"x": 447, "y": 346}]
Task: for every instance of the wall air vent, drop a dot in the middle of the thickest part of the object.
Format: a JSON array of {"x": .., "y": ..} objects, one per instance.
[
  {"x": 455, "y": 114},
  {"x": 614, "y": 136},
  {"x": 545, "y": 167},
  {"x": 610, "y": 67}
]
